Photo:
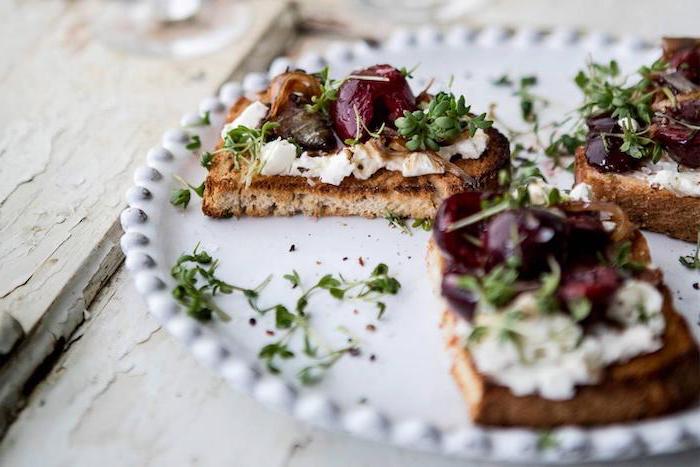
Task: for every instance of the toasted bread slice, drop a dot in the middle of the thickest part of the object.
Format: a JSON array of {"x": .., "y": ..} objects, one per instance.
[
  {"x": 646, "y": 386},
  {"x": 225, "y": 195},
  {"x": 652, "y": 208}
]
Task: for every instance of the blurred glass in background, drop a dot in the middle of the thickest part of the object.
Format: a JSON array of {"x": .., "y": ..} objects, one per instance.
[
  {"x": 174, "y": 28},
  {"x": 420, "y": 11}
]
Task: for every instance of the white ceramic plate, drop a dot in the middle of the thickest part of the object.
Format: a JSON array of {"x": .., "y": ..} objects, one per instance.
[{"x": 405, "y": 396}]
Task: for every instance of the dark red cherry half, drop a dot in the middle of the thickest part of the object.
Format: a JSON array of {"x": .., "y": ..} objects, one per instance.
[
  {"x": 462, "y": 300},
  {"x": 587, "y": 236},
  {"x": 606, "y": 156},
  {"x": 456, "y": 244},
  {"x": 603, "y": 152},
  {"x": 681, "y": 143},
  {"x": 687, "y": 62},
  {"x": 597, "y": 284},
  {"x": 601, "y": 124},
  {"x": 533, "y": 235},
  {"x": 375, "y": 102},
  {"x": 687, "y": 110}
]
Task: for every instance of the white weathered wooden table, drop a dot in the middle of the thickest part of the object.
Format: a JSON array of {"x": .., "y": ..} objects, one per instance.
[{"x": 75, "y": 120}]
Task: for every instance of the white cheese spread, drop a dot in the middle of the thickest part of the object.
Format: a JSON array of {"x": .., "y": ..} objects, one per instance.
[
  {"x": 329, "y": 169},
  {"x": 251, "y": 117},
  {"x": 637, "y": 301},
  {"x": 538, "y": 192},
  {"x": 468, "y": 148},
  {"x": 628, "y": 123},
  {"x": 277, "y": 157},
  {"x": 549, "y": 355},
  {"x": 361, "y": 160},
  {"x": 417, "y": 164},
  {"x": 367, "y": 160},
  {"x": 581, "y": 192},
  {"x": 665, "y": 174}
]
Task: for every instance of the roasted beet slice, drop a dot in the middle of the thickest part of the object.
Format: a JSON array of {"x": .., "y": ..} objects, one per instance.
[
  {"x": 456, "y": 244},
  {"x": 533, "y": 235},
  {"x": 374, "y": 102}
]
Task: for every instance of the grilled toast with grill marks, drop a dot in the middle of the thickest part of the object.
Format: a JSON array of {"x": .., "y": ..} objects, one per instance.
[
  {"x": 646, "y": 386},
  {"x": 650, "y": 207},
  {"x": 225, "y": 194}
]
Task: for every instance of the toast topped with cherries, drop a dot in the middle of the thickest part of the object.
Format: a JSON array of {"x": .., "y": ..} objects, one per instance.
[
  {"x": 554, "y": 313},
  {"x": 642, "y": 150},
  {"x": 364, "y": 145}
]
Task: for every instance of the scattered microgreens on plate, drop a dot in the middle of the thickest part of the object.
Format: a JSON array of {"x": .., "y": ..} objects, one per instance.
[
  {"x": 504, "y": 80},
  {"x": 397, "y": 222},
  {"x": 401, "y": 222},
  {"x": 528, "y": 99},
  {"x": 180, "y": 197},
  {"x": 194, "y": 143},
  {"x": 369, "y": 290},
  {"x": 530, "y": 139},
  {"x": 546, "y": 440},
  {"x": 204, "y": 120},
  {"x": 692, "y": 261},
  {"x": 197, "y": 285},
  {"x": 424, "y": 223},
  {"x": 564, "y": 144}
]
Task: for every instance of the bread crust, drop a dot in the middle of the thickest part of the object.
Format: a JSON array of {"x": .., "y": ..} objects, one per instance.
[
  {"x": 652, "y": 208},
  {"x": 417, "y": 197},
  {"x": 646, "y": 386}
]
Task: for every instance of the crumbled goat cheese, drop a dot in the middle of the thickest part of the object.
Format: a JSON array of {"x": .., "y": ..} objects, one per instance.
[
  {"x": 277, "y": 157},
  {"x": 469, "y": 147},
  {"x": 251, "y": 117}
]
